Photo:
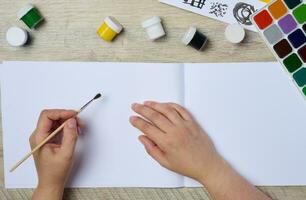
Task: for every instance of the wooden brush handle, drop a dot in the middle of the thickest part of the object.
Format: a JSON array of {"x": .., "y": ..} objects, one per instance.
[{"x": 38, "y": 146}]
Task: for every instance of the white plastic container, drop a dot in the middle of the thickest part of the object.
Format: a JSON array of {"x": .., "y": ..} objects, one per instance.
[
  {"x": 154, "y": 28},
  {"x": 234, "y": 33},
  {"x": 16, "y": 36}
]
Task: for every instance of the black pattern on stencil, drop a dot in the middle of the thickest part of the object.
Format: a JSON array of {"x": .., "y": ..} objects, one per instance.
[
  {"x": 242, "y": 12},
  {"x": 195, "y": 3},
  {"x": 218, "y": 9}
]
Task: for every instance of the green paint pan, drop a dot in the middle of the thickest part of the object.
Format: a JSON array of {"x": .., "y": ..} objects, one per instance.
[{"x": 30, "y": 16}]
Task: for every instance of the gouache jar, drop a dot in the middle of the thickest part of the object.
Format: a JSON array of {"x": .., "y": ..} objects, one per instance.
[
  {"x": 234, "y": 33},
  {"x": 154, "y": 28},
  {"x": 109, "y": 29},
  {"x": 195, "y": 39},
  {"x": 16, "y": 36},
  {"x": 30, "y": 16}
]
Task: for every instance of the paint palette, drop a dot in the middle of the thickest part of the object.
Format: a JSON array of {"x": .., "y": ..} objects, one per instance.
[{"x": 282, "y": 24}]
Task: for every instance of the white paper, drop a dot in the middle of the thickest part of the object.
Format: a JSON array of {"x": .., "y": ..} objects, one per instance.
[
  {"x": 252, "y": 111},
  {"x": 256, "y": 117},
  {"x": 109, "y": 153},
  {"x": 222, "y": 10}
]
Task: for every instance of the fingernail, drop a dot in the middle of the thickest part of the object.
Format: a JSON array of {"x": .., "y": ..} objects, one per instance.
[
  {"x": 133, "y": 118},
  {"x": 142, "y": 142},
  {"x": 72, "y": 124},
  {"x": 134, "y": 105}
]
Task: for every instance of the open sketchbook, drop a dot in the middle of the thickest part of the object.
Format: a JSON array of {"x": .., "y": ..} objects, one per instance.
[{"x": 252, "y": 111}]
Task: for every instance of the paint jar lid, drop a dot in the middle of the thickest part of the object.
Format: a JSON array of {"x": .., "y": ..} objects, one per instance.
[
  {"x": 113, "y": 24},
  {"x": 189, "y": 35},
  {"x": 151, "y": 21},
  {"x": 16, "y": 36},
  {"x": 234, "y": 33},
  {"x": 23, "y": 11}
]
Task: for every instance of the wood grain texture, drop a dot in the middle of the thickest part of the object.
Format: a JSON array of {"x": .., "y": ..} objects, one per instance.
[{"x": 69, "y": 34}]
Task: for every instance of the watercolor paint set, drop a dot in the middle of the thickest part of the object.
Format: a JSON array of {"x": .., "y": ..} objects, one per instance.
[{"x": 282, "y": 24}]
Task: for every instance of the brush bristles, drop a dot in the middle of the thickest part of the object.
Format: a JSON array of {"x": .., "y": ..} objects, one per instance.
[{"x": 97, "y": 96}]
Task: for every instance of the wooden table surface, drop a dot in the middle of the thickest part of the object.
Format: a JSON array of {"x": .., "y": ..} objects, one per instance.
[{"x": 69, "y": 34}]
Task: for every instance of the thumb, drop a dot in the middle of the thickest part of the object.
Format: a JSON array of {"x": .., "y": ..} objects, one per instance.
[{"x": 70, "y": 136}]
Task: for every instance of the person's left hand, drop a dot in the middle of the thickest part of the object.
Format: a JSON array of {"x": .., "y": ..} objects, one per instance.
[{"x": 175, "y": 140}]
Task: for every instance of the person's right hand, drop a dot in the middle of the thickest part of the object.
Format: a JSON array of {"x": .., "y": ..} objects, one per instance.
[
  {"x": 175, "y": 140},
  {"x": 54, "y": 160}
]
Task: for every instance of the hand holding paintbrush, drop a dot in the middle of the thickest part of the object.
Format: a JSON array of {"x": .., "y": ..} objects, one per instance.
[
  {"x": 52, "y": 135},
  {"x": 54, "y": 160}
]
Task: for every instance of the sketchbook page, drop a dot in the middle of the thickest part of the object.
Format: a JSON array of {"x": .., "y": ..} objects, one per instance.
[
  {"x": 108, "y": 151},
  {"x": 229, "y": 11},
  {"x": 256, "y": 117}
]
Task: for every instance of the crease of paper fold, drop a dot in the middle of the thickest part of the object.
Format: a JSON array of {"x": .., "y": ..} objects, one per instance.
[{"x": 252, "y": 111}]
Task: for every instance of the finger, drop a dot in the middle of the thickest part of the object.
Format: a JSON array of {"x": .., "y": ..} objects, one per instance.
[
  {"x": 153, "y": 116},
  {"x": 167, "y": 110},
  {"x": 70, "y": 136},
  {"x": 47, "y": 117},
  {"x": 81, "y": 125},
  {"x": 182, "y": 111},
  {"x": 32, "y": 141},
  {"x": 52, "y": 146},
  {"x": 153, "y": 150},
  {"x": 148, "y": 129},
  {"x": 47, "y": 120},
  {"x": 80, "y": 122}
]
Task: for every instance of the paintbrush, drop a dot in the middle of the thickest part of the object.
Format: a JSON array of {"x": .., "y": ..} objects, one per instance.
[{"x": 60, "y": 128}]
